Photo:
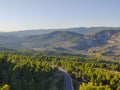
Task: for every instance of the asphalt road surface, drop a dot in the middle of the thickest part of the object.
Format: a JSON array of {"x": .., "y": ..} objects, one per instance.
[{"x": 68, "y": 80}]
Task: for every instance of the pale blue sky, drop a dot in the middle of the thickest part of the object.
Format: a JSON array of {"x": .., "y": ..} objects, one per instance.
[{"x": 38, "y": 14}]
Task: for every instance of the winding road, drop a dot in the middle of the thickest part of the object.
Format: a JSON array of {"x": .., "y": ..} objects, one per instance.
[{"x": 68, "y": 80}]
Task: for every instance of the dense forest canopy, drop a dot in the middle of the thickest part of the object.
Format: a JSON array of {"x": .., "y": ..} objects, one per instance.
[{"x": 31, "y": 72}]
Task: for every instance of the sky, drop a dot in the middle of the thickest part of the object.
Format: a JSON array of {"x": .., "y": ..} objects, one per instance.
[{"x": 18, "y": 15}]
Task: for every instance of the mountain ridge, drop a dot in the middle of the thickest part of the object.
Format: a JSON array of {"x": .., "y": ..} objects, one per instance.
[
  {"x": 82, "y": 30},
  {"x": 105, "y": 40}
]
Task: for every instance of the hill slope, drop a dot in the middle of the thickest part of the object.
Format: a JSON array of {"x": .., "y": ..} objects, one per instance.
[
  {"x": 56, "y": 38},
  {"x": 71, "y": 41},
  {"x": 106, "y": 40},
  {"x": 111, "y": 45}
]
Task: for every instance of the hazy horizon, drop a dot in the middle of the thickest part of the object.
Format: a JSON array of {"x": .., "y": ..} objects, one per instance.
[
  {"x": 39, "y": 14},
  {"x": 57, "y": 28}
]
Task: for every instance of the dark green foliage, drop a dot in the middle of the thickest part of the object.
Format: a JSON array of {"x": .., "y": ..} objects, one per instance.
[
  {"x": 103, "y": 75},
  {"x": 32, "y": 72},
  {"x": 24, "y": 72}
]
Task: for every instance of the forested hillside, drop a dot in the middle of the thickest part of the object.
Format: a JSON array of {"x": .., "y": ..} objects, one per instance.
[
  {"x": 19, "y": 72},
  {"x": 32, "y": 72}
]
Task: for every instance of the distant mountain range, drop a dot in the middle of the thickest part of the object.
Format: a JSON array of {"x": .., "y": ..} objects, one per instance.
[
  {"x": 81, "y": 30},
  {"x": 94, "y": 39}
]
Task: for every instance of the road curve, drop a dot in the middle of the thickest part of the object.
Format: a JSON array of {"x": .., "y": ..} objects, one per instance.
[{"x": 68, "y": 80}]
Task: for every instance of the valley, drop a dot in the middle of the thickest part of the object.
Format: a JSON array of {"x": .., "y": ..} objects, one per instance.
[
  {"x": 60, "y": 60},
  {"x": 105, "y": 41}
]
